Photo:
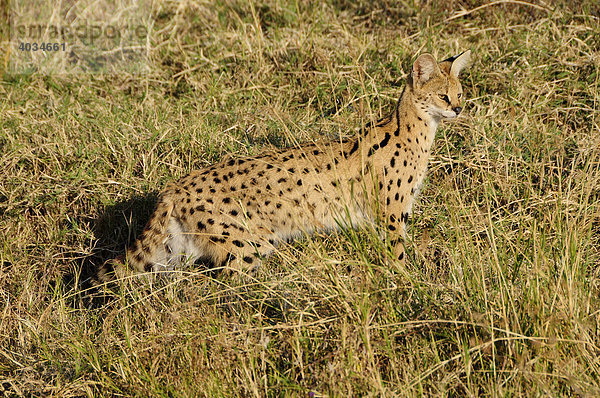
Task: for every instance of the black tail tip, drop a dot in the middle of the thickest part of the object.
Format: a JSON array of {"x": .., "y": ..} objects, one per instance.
[{"x": 107, "y": 271}]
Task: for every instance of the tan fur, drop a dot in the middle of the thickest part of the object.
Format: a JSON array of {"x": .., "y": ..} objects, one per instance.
[{"x": 239, "y": 211}]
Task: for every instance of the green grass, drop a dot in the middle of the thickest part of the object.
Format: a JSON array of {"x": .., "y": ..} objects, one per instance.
[{"x": 501, "y": 293}]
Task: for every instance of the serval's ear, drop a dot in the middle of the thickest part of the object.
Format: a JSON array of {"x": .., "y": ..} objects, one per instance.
[
  {"x": 453, "y": 65},
  {"x": 424, "y": 68},
  {"x": 460, "y": 62}
]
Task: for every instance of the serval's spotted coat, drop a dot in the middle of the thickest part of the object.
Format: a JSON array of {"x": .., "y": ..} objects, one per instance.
[{"x": 238, "y": 211}]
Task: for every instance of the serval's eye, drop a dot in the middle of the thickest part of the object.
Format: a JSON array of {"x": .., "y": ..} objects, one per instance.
[
  {"x": 445, "y": 98},
  {"x": 459, "y": 95}
]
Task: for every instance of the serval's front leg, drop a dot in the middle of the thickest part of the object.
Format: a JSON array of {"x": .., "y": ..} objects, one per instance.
[{"x": 396, "y": 226}]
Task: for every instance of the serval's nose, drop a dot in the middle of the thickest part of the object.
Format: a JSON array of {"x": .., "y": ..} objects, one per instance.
[{"x": 457, "y": 109}]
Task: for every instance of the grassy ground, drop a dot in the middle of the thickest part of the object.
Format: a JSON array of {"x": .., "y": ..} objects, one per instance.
[{"x": 501, "y": 295}]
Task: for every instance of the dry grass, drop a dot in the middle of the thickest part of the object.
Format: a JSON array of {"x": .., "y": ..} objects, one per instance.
[{"x": 501, "y": 295}]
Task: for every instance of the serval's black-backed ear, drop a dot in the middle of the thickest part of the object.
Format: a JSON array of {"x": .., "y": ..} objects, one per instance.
[
  {"x": 424, "y": 68},
  {"x": 453, "y": 65}
]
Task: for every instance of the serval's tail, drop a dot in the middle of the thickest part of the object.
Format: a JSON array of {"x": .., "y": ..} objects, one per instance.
[{"x": 141, "y": 256}]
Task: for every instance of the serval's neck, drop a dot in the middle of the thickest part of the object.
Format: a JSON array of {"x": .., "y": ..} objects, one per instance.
[
  {"x": 413, "y": 110},
  {"x": 409, "y": 122}
]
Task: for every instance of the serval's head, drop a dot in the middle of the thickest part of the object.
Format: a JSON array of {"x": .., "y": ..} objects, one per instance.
[{"x": 436, "y": 88}]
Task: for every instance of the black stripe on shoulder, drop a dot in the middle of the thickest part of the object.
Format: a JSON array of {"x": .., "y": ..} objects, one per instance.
[
  {"x": 352, "y": 150},
  {"x": 385, "y": 140}
]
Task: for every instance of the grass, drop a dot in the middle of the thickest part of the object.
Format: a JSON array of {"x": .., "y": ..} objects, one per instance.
[{"x": 501, "y": 295}]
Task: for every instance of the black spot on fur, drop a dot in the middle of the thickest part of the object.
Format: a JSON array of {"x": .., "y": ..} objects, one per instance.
[
  {"x": 217, "y": 240},
  {"x": 373, "y": 149},
  {"x": 385, "y": 140},
  {"x": 352, "y": 150},
  {"x": 238, "y": 243}
]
